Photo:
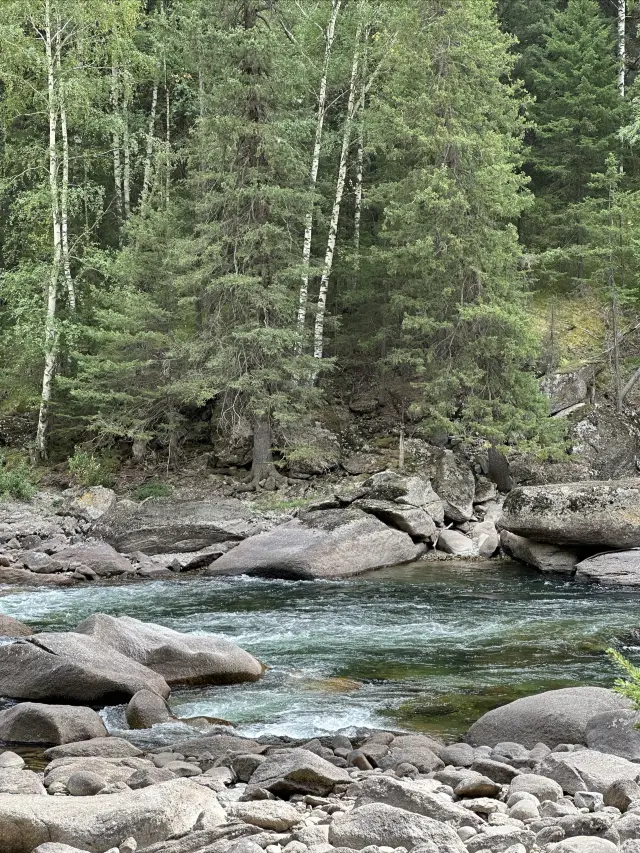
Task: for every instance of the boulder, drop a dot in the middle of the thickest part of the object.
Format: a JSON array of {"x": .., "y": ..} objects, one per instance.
[
  {"x": 583, "y": 844},
  {"x": 85, "y": 783},
  {"x": 17, "y": 781},
  {"x": 615, "y": 732},
  {"x": 146, "y": 709},
  {"x": 213, "y": 747},
  {"x": 363, "y": 463},
  {"x": 605, "y": 513},
  {"x": 298, "y": 771},
  {"x": 101, "y": 558},
  {"x": 10, "y": 627},
  {"x": 564, "y": 390},
  {"x": 540, "y": 555},
  {"x": 16, "y": 576},
  {"x": 311, "y": 449},
  {"x": 617, "y": 568},
  {"x": 162, "y": 525},
  {"x": 109, "y": 747},
  {"x": 91, "y": 504},
  {"x": 178, "y": 658},
  {"x": 553, "y": 717},
  {"x": 621, "y": 794},
  {"x": 267, "y": 814},
  {"x": 455, "y": 483},
  {"x": 30, "y": 722},
  {"x": 501, "y": 839},
  {"x": 70, "y": 667},
  {"x": 457, "y": 544},
  {"x": 329, "y": 544},
  {"x": 109, "y": 770},
  {"x": 414, "y": 797},
  {"x": 383, "y": 825},
  {"x": 411, "y": 519},
  {"x": 485, "y": 537},
  {"x": 539, "y": 786},
  {"x": 95, "y": 824},
  {"x": 587, "y": 770},
  {"x": 411, "y": 491}
]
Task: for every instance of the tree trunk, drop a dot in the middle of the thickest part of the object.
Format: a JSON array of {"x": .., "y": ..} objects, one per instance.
[
  {"x": 146, "y": 181},
  {"x": 168, "y": 135},
  {"x": 115, "y": 137},
  {"x": 622, "y": 45},
  {"x": 318, "y": 335},
  {"x": 126, "y": 145},
  {"x": 51, "y": 333},
  {"x": 64, "y": 195},
  {"x": 315, "y": 163},
  {"x": 262, "y": 467}
]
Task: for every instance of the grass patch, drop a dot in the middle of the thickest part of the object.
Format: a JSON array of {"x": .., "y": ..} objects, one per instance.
[{"x": 152, "y": 490}]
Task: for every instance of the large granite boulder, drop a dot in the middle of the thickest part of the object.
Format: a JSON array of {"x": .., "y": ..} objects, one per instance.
[
  {"x": 617, "y": 568},
  {"x": 553, "y": 717},
  {"x": 331, "y": 543},
  {"x": 91, "y": 504},
  {"x": 109, "y": 747},
  {"x": 101, "y": 558},
  {"x": 587, "y": 770},
  {"x": 540, "y": 555},
  {"x": 69, "y": 667},
  {"x": 615, "y": 732},
  {"x": 565, "y": 390},
  {"x": 410, "y": 519},
  {"x": 15, "y": 780},
  {"x": 455, "y": 483},
  {"x": 165, "y": 525},
  {"x": 179, "y": 658},
  {"x": 408, "y": 490},
  {"x": 146, "y": 709},
  {"x": 96, "y": 824},
  {"x": 10, "y": 627},
  {"x": 382, "y": 825},
  {"x": 31, "y": 722},
  {"x": 298, "y": 771},
  {"x": 590, "y": 514}
]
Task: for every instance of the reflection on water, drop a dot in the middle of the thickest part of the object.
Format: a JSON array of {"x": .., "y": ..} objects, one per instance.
[{"x": 428, "y": 646}]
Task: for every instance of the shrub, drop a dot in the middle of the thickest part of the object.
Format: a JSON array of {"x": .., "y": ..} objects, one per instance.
[
  {"x": 89, "y": 470},
  {"x": 16, "y": 482},
  {"x": 629, "y": 686},
  {"x": 153, "y": 490}
]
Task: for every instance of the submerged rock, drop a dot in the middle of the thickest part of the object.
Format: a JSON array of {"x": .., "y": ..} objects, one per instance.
[
  {"x": 553, "y": 717},
  {"x": 146, "y": 709},
  {"x": 617, "y": 568},
  {"x": 73, "y": 668},
  {"x": 332, "y": 543},
  {"x": 179, "y": 658},
  {"x": 584, "y": 514},
  {"x": 31, "y": 722},
  {"x": 540, "y": 555}
]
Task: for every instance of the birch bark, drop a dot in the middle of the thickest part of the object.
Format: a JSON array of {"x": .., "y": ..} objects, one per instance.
[
  {"x": 622, "y": 45},
  {"x": 115, "y": 138},
  {"x": 126, "y": 146},
  {"x": 51, "y": 333},
  {"x": 146, "y": 181},
  {"x": 315, "y": 164},
  {"x": 64, "y": 194}
]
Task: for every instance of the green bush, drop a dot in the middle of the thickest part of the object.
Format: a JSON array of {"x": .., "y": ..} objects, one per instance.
[
  {"x": 153, "y": 490},
  {"x": 89, "y": 470},
  {"x": 630, "y": 685},
  {"x": 16, "y": 482}
]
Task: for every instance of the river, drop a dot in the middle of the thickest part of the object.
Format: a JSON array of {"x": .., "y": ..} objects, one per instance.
[{"x": 428, "y": 646}]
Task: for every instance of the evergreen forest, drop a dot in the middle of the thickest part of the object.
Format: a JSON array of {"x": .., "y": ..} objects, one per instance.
[{"x": 217, "y": 214}]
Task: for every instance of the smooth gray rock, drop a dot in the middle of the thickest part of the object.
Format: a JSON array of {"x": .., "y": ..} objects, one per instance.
[
  {"x": 10, "y": 627},
  {"x": 383, "y": 825},
  {"x": 164, "y": 525},
  {"x": 586, "y": 844},
  {"x": 410, "y": 491},
  {"x": 267, "y": 814},
  {"x": 539, "y": 786},
  {"x": 178, "y": 658},
  {"x": 73, "y": 668},
  {"x": 146, "y": 709},
  {"x": 628, "y": 827},
  {"x": 618, "y": 568},
  {"x": 458, "y": 754},
  {"x": 423, "y": 758},
  {"x": 11, "y": 760},
  {"x": 109, "y": 747},
  {"x": 615, "y": 732},
  {"x": 17, "y": 781},
  {"x": 101, "y": 558},
  {"x": 150, "y": 815},
  {"x": 553, "y": 717},
  {"x": 329, "y": 544},
  {"x": 456, "y": 543},
  {"x": 298, "y": 771},
  {"x": 564, "y": 390},
  {"x": 587, "y": 770},
  {"x": 410, "y": 519},
  {"x": 485, "y": 537},
  {"x": 84, "y": 783},
  {"x": 498, "y": 839},
  {"x": 91, "y": 504},
  {"x": 32, "y": 722},
  {"x": 540, "y": 555},
  {"x": 621, "y": 794},
  {"x": 591, "y": 513},
  {"x": 455, "y": 484}
]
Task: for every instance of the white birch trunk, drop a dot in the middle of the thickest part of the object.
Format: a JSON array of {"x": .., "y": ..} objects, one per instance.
[
  {"x": 115, "y": 137},
  {"x": 146, "y": 181},
  {"x": 315, "y": 163},
  {"x": 126, "y": 145},
  {"x": 168, "y": 135},
  {"x": 64, "y": 195},
  {"x": 51, "y": 334},
  {"x": 318, "y": 334},
  {"x": 622, "y": 45}
]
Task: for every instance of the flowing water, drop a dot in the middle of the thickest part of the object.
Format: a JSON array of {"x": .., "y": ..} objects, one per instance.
[{"x": 428, "y": 647}]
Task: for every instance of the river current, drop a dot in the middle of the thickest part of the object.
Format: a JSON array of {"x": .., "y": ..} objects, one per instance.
[{"x": 426, "y": 647}]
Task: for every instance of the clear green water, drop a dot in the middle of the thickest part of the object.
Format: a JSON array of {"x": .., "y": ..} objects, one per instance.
[{"x": 428, "y": 646}]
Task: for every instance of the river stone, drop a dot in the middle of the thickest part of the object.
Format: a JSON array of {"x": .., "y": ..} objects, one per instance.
[
  {"x": 485, "y": 537},
  {"x": 458, "y": 754},
  {"x": 414, "y": 797},
  {"x": 383, "y": 825},
  {"x": 84, "y": 783},
  {"x": 455, "y": 483},
  {"x": 423, "y": 758},
  {"x": 103, "y": 747},
  {"x": 18, "y": 781},
  {"x": 615, "y": 732},
  {"x": 588, "y": 513},
  {"x": 412, "y": 491},
  {"x": 583, "y": 844},
  {"x": 70, "y": 667},
  {"x": 411, "y": 519},
  {"x": 146, "y": 709},
  {"x": 10, "y": 627},
  {"x": 92, "y": 504},
  {"x": 621, "y": 794},
  {"x": 149, "y": 815},
  {"x": 58, "y": 848},
  {"x": 587, "y": 770},
  {"x": 619, "y": 568},
  {"x": 552, "y": 717},
  {"x": 539, "y": 786},
  {"x": 329, "y": 544},
  {"x": 163, "y": 525},
  {"x": 23, "y": 577},
  {"x": 297, "y": 771},
  {"x": 213, "y": 747},
  {"x": 178, "y": 658},
  {"x": 101, "y": 558},
  {"x": 109, "y": 769},
  {"x": 540, "y": 555},
  {"x": 31, "y": 722},
  {"x": 9, "y": 759},
  {"x": 266, "y": 814},
  {"x": 457, "y": 544}
]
